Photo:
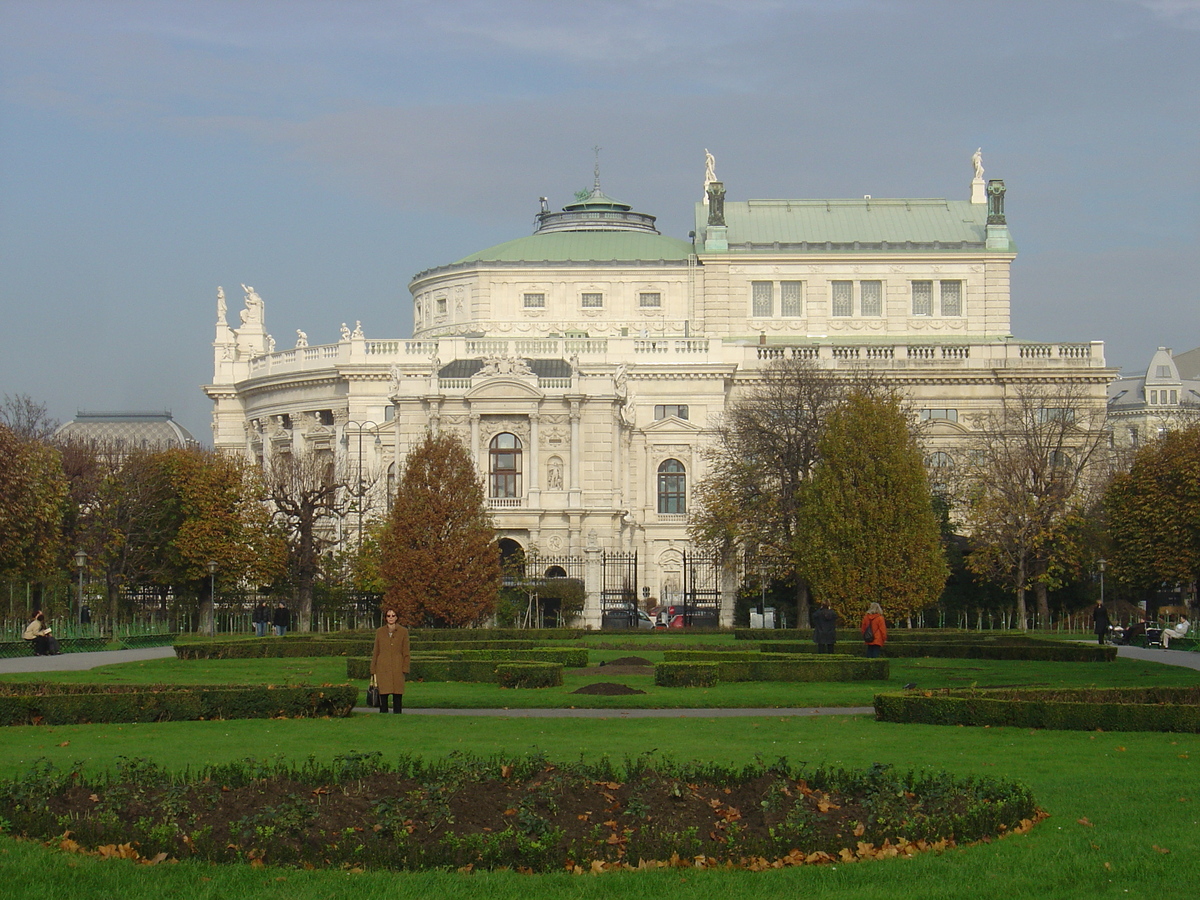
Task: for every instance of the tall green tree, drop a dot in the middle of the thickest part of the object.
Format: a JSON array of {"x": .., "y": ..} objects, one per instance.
[
  {"x": 33, "y": 492},
  {"x": 766, "y": 448},
  {"x": 1033, "y": 469},
  {"x": 221, "y": 517},
  {"x": 869, "y": 531},
  {"x": 1153, "y": 513},
  {"x": 440, "y": 557}
]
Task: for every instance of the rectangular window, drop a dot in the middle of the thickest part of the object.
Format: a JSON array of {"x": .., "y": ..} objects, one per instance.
[
  {"x": 763, "y": 293},
  {"x": 1163, "y": 372},
  {"x": 1055, "y": 414},
  {"x": 922, "y": 298},
  {"x": 947, "y": 415},
  {"x": 870, "y": 298},
  {"x": 789, "y": 301},
  {"x": 650, "y": 300},
  {"x": 535, "y": 301},
  {"x": 951, "y": 298},
  {"x": 1174, "y": 397},
  {"x": 441, "y": 306},
  {"x": 670, "y": 409},
  {"x": 843, "y": 298},
  {"x": 591, "y": 301}
]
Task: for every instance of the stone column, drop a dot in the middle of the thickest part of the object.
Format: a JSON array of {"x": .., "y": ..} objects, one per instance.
[
  {"x": 576, "y": 488},
  {"x": 533, "y": 483},
  {"x": 474, "y": 416}
]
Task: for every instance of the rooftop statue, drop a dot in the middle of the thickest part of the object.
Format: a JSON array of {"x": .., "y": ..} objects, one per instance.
[
  {"x": 977, "y": 162},
  {"x": 221, "y": 308},
  {"x": 301, "y": 338},
  {"x": 253, "y": 313}
]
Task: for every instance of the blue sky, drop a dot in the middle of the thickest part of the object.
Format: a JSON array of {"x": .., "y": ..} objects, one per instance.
[{"x": 326, "y": 152}]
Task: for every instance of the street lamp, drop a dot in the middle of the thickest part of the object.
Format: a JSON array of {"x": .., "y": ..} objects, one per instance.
[
  {"x": 362, "y": 490},
  {"x": 80, "y": 563},
  {"x": 1103, "y": 563},
  {"x": 212, "y": 593}
]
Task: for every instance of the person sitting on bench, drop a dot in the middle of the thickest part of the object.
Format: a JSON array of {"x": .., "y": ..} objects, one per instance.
[
  {"x": 38, "y": 634},
  {"x": 1180, "y": 629}
]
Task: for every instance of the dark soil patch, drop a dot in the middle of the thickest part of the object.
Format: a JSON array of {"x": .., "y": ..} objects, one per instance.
[
  {"x": 607, "y": 689},
  {"x": 630, "y": 661},
  {"x": 527, "y": 814}
]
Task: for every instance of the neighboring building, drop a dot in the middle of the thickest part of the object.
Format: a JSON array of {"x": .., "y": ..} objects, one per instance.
[
  {"x": 127, "y": 430},
  {"x": 1165, "y": 397},
  {"x": 586, "y": 364}
]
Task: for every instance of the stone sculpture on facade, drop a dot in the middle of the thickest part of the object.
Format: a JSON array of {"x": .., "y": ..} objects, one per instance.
[
  {"x": 221, "y": 308},
  {"x": 977, "y": 163},
  {"x": 301, "y": 339},
  {"x": 357, "y": 334},
  {"x": 345, "y": 332},
  {"x": 253, "y": 313}
]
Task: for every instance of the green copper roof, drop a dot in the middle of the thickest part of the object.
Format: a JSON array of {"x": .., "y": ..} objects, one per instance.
[
  {"x": 586, "y": 246},
  {"x": 757, "y": 225}
]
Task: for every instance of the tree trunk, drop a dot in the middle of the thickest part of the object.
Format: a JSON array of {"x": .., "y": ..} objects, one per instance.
[
  {"x": 1043, "y": 604},
  {"x": 1021, "y": 624},
  {"x": 802, "y": 620}
]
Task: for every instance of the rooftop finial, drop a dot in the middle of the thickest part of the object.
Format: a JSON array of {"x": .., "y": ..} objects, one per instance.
[{"x": 596, "y": 181}]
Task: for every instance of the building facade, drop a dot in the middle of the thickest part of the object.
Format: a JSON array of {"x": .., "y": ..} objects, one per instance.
[
  {"x": 1165, "y": 397},
  {"x": 586, "y": 365}
]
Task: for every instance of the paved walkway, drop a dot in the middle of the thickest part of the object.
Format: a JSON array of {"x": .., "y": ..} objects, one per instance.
[{"x": 80, "y": 661}]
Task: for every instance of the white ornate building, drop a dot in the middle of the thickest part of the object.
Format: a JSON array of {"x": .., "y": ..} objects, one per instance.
[
  {"x": 1166, "y": 396},
  {"x": 585, "y": 365}
]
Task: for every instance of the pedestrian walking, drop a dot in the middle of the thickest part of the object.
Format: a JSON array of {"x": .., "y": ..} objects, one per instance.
[
  {"x": 824, "y": 622},
  {"x": 281, "y": 619},
  {"x": 261, "y": 619},
  {"x": 1100, "y": 623},
  {"x": 874, "y": 630}
]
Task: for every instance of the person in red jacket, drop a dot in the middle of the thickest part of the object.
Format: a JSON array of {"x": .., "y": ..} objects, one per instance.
[{"x": 874, "y": 630}]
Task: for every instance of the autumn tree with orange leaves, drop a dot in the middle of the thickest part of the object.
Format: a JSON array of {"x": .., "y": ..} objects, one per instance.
[{"x": 440, "y": 559}]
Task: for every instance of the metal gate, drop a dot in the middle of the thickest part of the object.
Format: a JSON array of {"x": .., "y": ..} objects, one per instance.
[
  {"x": 702, "y": 590},
  {"x": 618, "y": 595}
]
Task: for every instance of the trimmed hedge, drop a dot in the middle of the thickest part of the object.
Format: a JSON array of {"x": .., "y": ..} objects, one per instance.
[
  {"x": 1012, "y": 649},
  {"x": 137, "y": 641},
  {"x": 13, "y": 649},
  {"x": 1108, "y": 709},
  {"x": 828, "y": 668},
  {"x": 571, "y": 657},
  {"x": 506, "y": 673},
  {"x": 51, "y": 703},
  {"x": 261, "y": 648}
]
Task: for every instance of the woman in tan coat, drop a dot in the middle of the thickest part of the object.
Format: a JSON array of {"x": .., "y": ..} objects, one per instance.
[{"x": 390, "y": 661}]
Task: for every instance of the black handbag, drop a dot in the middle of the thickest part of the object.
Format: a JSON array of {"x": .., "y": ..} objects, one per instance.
[{"x": 373, "y": 693}]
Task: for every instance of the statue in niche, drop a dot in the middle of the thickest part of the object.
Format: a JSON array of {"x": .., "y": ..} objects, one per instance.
[
  {"x": 554, "y": 474},
  {"x": 716, "y": 203},
  {"x": 394, "y": 375},
  {"x": 221, "y": 308},
  {"x": 977, "y": 162},
  {"x": 345, "y": 332},
  {"x": 301, "y": 339},
  {"x": 357, "y": 334},
  {"x": 253, "y": 313}
]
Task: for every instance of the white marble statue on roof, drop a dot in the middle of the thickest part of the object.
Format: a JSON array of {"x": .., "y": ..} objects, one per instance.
[
  {"x": 221, "y": 308},
  {"x": 301, "y": 338},
  {"x": 977, "y": 162},
  {"x": 253, "y": 313}
]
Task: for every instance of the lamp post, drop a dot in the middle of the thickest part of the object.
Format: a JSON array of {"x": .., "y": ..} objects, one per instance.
[
  {"x": 1103, "y": 563},
  {"x": 361, "y": 492},
  {"x": 81, "y": 559},
  {"x": 212, "y": 594}
]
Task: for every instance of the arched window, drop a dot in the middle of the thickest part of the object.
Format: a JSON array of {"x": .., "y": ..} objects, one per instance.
[
  {"x": 672, "y": 487},
  {"x": 506, "y": 465}
]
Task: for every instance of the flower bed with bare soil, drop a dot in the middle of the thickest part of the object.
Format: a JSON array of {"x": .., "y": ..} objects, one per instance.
[{"x": 528, "y": 813}]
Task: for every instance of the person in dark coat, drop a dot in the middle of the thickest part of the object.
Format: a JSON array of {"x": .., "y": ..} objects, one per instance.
[
  {"x": 824, "y": 622},
  {"x": 390, "y": 661},
  {"x": 261, "y": 619},
  {"x": 1100, "y": 623},
  {"x": 281, "y": 619}
]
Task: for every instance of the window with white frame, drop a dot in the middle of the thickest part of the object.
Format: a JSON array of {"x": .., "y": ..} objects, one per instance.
[
  {"x": 951, "y": 297},
  {"x": 650, "y": 300},
  {"x": 762, "y": 295},
  {"x": 922, "y": 298},
  {"x": 789, "y": 298},
  {"x": 944, "y": 415},
  {"x": 870, "y": 298},
  {"x": 591, "y": 300},
  {"x": 505, "y": 468},
  {"x": 841, "y": 298},
  {"x": 663, "y": 410},
  {"x": 672, "y": 488},
  {"x": 535, "y": 301}
]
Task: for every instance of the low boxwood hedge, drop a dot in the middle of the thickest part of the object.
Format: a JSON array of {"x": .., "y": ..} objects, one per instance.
[
  {"x": 506, "y": 673},
  {"x": 1108, "y": 709},
  {"x": 136, "y": 641},
  {"x": 826, "y": 668},
  {"x": 1012, "y": 649},
  {"x": 50, "y": 703},
  {"x": 14, "y": 649},
  {"x": 262, "y": 648}
]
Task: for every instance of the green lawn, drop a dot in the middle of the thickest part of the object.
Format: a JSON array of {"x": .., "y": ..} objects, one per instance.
[
  {"x": 1124, "y": 808},
  {"x": 925, "y": 673}
]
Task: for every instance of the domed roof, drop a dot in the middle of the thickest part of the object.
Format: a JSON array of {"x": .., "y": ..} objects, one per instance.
[
  {"x": 128, "y": 430},
  {"x": 586, "y": 246}
]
